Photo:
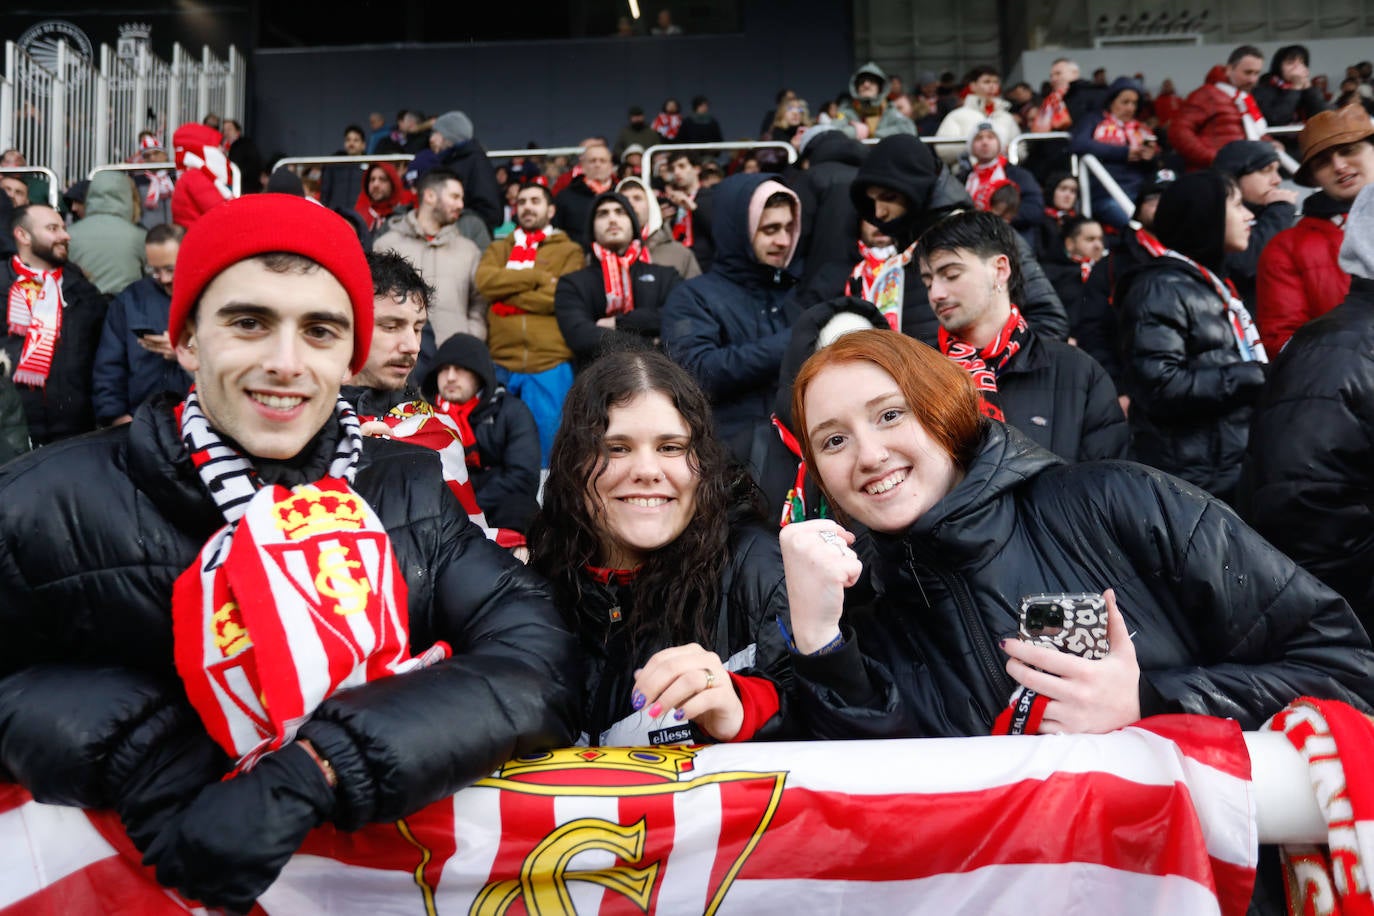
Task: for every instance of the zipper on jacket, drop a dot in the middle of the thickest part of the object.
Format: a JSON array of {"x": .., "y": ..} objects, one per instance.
[{"x": 977, "y": 632}]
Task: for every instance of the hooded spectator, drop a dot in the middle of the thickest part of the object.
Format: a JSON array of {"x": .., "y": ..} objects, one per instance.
[
  {"x": 382, "y": 195},
  {"x": 453, "y": 145},
  {"x": 903, "y": 189},
  {"x": 108, "y": 244},
  {"x": 499, "y": 433},
  {"x": 203, "y": 179},
  {"x": 1194, "y": 361},
  {"x": 987, "y": 154},
  {"x": 636, "y": 132},
  {"x": 574, "y": 202},
  {"x": 700, "y": 126},
  {"x": 981, "y": 103},
  {"x": 663, "y": 248},
  {"x": 828, "y": 162},
  {"x": 1255, "y": 167},
  {"x": 869, "y": 113},
  {"x": 1124, "y": 146}
]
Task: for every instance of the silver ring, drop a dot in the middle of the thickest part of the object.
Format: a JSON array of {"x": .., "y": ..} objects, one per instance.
[
  {"x": 710, "y": 678},
  {"x": 834, "y": 540}
]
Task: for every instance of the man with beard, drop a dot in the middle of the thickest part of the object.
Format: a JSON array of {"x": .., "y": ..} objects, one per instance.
[
  {"x": 574, "y": 202},
  {"x": 53, "y": 318},
  {"x": 135, "y": 360},
  {"x": 381, "y": 196},
  {"x": 428, "y": 237}
]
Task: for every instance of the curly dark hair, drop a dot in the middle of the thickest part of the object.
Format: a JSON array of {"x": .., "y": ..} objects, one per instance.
[{"x": 676, "y": 591}]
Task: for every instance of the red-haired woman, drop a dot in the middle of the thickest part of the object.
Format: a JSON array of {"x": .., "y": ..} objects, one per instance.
[{"x": 967, "y": 517}]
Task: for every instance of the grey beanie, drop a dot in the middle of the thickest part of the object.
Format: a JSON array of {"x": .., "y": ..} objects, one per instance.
[
  {"x": 1357, "y": 251},
  {"x": 454, "y": 126}
]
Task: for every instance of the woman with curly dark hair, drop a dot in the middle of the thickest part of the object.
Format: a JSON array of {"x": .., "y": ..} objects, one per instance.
[{"x": 657, "y": 552}]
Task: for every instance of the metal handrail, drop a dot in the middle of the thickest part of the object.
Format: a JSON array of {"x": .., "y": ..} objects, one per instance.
[
  {"x": 54, "y": 197},
  {"x": 236, "y": 184},
  {"x": 646, "y": 164},
  {"x": 546, "y": 151},
  {"x": 341, "y": 160},
  {"x": 1108, "y": 183}
]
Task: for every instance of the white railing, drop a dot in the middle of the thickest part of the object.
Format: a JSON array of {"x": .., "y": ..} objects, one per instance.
[
  {"x": 1090, "y": 169},
  {"x": 646, "y": 164},
  {"x": 235, "y": 177},
  {"x": 86, "y": 112},
  {"x": 54, "y": 194}
]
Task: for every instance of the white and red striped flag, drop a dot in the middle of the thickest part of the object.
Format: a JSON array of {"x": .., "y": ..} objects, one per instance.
[{"x": 1154, "y": 818}]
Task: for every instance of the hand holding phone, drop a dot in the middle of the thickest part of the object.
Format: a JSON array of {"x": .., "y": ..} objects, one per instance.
[{"x": 1072, "y": 623}]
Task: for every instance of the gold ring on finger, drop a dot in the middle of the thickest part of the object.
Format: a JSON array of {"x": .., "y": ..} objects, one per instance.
[{"x": 710, "y": 678}]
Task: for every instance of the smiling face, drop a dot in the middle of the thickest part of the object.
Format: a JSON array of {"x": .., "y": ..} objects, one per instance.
[
  {"x": 269, "y": 351},
  {"x": 646, "y": 496},
  {"x": 532, "y": 209},
  {"x": 873, "y": 456},
  {"x": 41, "y": 238}
]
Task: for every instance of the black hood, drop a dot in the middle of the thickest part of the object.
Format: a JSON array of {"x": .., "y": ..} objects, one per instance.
[
  {"x": 466, "y": 352},
  {"x": 904, "y": 164},
  {"x": 598, "y": 201},
  {"x": 833, "y": 146},
  {"x": 1191, "y": 218},
  {"x": 805, "y": 331}
]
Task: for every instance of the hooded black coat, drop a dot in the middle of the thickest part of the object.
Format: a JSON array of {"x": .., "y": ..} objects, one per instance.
[
  {"x": 1191, "y": 388},
  {"x": 1308, "y": 479},
  {"x": 580, "y": 299},
  {"x": 906, "y": 165},
  {"x": 506, "y": 477},
  {"x": 1224, "y": 624},
  {"x": 830, "y": 225},
  {"x": 730, "y": 326},
  {"x": 86, "y": 609}
]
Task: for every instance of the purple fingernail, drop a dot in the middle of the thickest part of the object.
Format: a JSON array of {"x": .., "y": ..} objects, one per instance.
[
  {"x": 637, "y": 700},
  {"x": 679, "y": 715},
  {"x": 656, "y": 710}
]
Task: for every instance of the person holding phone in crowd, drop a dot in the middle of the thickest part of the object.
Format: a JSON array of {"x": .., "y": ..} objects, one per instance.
[
  {"x": 967, "y": 518},
  {"x": 656, "y": 550}
]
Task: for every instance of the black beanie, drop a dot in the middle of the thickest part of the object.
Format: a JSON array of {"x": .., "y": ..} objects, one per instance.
[{"x": 1191, "y": 217}]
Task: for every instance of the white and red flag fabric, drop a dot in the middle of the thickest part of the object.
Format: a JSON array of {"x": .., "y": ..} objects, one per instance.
[{"x": 1155, "y": 818}]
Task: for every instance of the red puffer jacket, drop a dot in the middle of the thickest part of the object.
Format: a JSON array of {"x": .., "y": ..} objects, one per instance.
[
  {"x": 1206, "y": 121},
  {"x": 1299, "y": 278}
]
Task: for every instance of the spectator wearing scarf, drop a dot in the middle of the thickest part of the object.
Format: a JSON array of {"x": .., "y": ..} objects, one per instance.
[
  {"x": 1194, "y": 362},
  {"x": 203, "y": 175},
  {"x": 381, "y": 178},
  {"x": 620, "y": 291},
  {"x": 1123, "y": 145},
  {"x": 1220, "y": 110},
  {"x": 989, "y": 169}
]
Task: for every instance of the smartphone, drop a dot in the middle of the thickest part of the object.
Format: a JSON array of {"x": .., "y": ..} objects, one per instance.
[
  {"x": 1072, "y": 623},
  {"x": 143, "y": 332}
]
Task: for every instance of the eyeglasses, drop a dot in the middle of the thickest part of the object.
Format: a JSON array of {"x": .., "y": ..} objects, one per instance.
[{"x": 160, "y": 272}]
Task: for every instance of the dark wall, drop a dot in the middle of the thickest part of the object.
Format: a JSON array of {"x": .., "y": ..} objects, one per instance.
[{"x": 555, "y": 93}]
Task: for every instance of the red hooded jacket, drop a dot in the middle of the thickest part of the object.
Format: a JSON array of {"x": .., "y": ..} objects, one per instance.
[{"x": 376, "y": 213}]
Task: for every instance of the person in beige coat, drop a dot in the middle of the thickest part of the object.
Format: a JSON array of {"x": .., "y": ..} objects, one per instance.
[{"x": 428, "y": 237}]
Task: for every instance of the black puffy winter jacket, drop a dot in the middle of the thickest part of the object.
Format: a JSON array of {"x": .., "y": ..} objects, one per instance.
[
  {"x": 1308, "y": 480},
  {"x": 1224, "y": 624},
  {"x": 1191, "y": 389},
  {"x": 97, "y": 530},
  {"x": 747, "y": 638}
]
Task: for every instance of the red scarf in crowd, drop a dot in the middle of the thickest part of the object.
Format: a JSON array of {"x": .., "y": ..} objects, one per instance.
[
  {"x": 160, "y": 188},
  {"x": 524, "y": 249},
  {"x": 983, "y": 199},
  {"x": 866, "y": 271},
  {"x": 1053, "y": 114},
  {"x": 597, "y": 187},
  {"x": 984, "y": 175},
  {"x": 374, "y": 213},
  {"x": 615, "y": 275},
  {"x": 668, "y": 125},
  {"x": 1117, "y": 132},
  {"x": 983, "y": 365},
  {"x": 1085, "y": 265},
  {"x": 461, "y": 414},
  {"x": 297, "y": 596},
  {"x": 794, "y": 507},
  {"x": 882, "y": 281},
  {"x": 35, "y": 312},
  {"x": 1251, "y": 118},
  {"x": 682, "y": 226},
  {"x": 1060, "y": 215}
]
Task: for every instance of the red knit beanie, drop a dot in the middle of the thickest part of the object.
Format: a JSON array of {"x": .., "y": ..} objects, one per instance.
[{"x": 264, "y": 224}]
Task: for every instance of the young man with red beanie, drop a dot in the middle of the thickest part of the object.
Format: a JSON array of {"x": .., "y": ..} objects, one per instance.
[{"x": 194, "y": 590}]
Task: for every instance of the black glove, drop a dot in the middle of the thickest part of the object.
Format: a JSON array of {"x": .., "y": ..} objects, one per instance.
[
  {"x": 155, "y": 774},
  {"x": 232, "y": 841}
]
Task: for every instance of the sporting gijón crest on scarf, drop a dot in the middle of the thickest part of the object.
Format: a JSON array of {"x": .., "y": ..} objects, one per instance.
[{"x": 298, "y": 596}]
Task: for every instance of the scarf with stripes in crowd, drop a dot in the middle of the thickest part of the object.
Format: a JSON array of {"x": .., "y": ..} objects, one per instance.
[
  {"x": 524, "y": 249},
  {"x": 1250, "y": 116},
  {"x": 297, "y": 596},
  {"x": 983, "y": 364},
  {"x": 1117, "y": 132},
  {"x": 983, "y": 176},
  {"x": 615, "y": 275},
  {"x": 1053, "y": 114},
  {"x": 1242, "y": 325},
  {"x": 35, "y": 313}
]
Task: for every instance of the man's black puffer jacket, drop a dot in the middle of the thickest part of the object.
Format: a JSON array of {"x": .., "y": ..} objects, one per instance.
[
  {"x": 1224, "y": 624},
  {"x": 753, "y": 600},
  {"x": 1191, "y": 389},
  {"x": 904, "y": 164},
  {"x": 96, "y": 532},
  {"x": 1308, "y": 480}
]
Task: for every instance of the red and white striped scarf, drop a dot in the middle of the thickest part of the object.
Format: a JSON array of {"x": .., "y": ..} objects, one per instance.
[
  {"x": 1085, "y": 265},
  {"x": 866, "y": 271},
  {"x": 984, "y": 175},
  {"x": 1053, "y": 114},
  {"x": 1242, "y": 325},
  {"x": 160, "y": 188},
  {"x": 420, "y": 424},
  {"x": 35, "y": 311},
  {"x": 887, "y": 286},
  {"x": 668, "y": 125},
  {"x": 1251, "y": 118},
  {"x": 525, "y": 249},
  {"x": 1337, "y": 743},
  {"x": 682, "y": 226},
  {"x": 299, "y": 595},
  {"x": 615, "y": 275},
  {"x": 984, "y": 364},
  {"x": 1117, "y": 132}
]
